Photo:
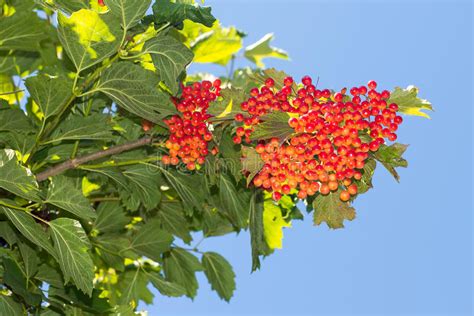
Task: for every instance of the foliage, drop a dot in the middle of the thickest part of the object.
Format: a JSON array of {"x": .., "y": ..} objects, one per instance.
[{"x": 90, "y": 216}]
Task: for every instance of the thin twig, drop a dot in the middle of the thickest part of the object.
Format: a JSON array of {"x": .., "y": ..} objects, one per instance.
[{"x": 76, "y": 162}]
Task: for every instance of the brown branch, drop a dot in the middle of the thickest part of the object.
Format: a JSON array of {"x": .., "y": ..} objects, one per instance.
[{"x": 76, "y": 162}]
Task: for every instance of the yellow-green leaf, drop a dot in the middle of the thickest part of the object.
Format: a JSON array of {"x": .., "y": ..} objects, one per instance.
[
  {"x": 273, "y": 223},
  {"x": 261, "y": 49},
  {"x": 217, "y": 46},
  {"x": 88, "y": 37},
  {"x": 88, "y": 187},
  {"x": 409, "y": 103},
  {"x": 8, "y": 91}
]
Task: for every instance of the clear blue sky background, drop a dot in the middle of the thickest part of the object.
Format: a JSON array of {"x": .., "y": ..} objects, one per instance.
[{"x": 409, "y": 251}]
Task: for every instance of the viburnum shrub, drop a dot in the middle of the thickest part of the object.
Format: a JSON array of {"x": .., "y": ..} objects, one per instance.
[
  {"x": 333, "y": 134},
  {"x": 117, "y": 162}
]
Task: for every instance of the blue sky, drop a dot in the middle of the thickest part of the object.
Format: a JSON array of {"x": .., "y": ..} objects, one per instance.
[{"x": 409, "y": 251}]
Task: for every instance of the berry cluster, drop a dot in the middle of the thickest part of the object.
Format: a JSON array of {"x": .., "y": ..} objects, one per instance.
[
  {"x": 333, "y": 135},
  {"x": 189, "y": 133}
]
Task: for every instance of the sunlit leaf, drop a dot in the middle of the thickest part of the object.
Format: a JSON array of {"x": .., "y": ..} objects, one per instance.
[
  {"x": 88, "y": 37},
  {"x": 273, "y": 223},
  {"x": 16, "y": 178},
  {"x": 130, "y": 12},
  {"x": 261, "y": 49},
  {"x": 408, "y": 101},
  {"x": 217, "y": 46}
]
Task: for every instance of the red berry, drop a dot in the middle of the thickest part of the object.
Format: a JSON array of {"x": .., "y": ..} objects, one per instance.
[
  {"x": 237, "y": 139},
  {"x": 372, "y": 85},
  {"x": 288, "y": 81},
  {"x": 276, "y": 196},
  {"x": 269, "y": 83},
  {"x": 306, "y": 80}
]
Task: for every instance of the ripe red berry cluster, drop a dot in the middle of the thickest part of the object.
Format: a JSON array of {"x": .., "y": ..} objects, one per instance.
[
  {"x": 189, "y": 133},
  {"x": 333, "y": 135}
]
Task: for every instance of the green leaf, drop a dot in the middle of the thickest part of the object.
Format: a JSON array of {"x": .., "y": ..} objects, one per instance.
[
  {"x": 77, "y": 127},
  {"x": 49, "y": 93},
  {"x": 114, "y": 248},
  {"x": 111, "y": 173},
  {"x": 408, "y": 101},
  {"x": 274, "y": 124},
  {"x": 333, "y": 211},
  {"x": 262, "y": 75},
  {"x": 257, "y": 238},
  {"x": 64, "y": 194},
  {"x": 88, "y": 38},
  {"x": 170, "y": 58},
  {"x": 144, "y": 183},
  {"x": 180, "y": 268},
  {"x": 15, "y": 278},
  {"x": 16, "y": 34},
  {"x": 251, "y": 162},
  {"x": 110, "y": 217},
  {"x": 9, "y": 307},
  {"x": 217, "y": 46},
  {"x": 72, "y": 245},
  {"x": 70, "y": 6},
  {"x": 18, "y": 62},
  {"x": 231, "y": 156},
  {"x": 273, "y": 223},
  {"x": 20, "y": 142},
  {"x": 189, "y": 187},
  {"x": 391, "y": 158},
  {"x": 29, "y": 228},
  {"x": 9, "y": 91},
  {"x": 365, "y": 183},
  {"x": 8, "y": 233},
  {"x": 165, "y": 287},
  {"x": 14, "y": 120},
  {"x": 151, "y": 240},
  {"x": 214, "y": 223},
  {"x": 30, "y": 259},
  {"x": 130, "y": 12},
  {"x": 50, "y": 275},
  {"x": 94, "y": 304},
  {"x": 16, "y": 178},
  {"x": 173, "y": 220},
  {"x": 135, "y": 89},
  {"x": 176, "y": 12},
  {"x": 262, "y": 49},
  {"x": 228, "y": 104},
  {"x": 220, "y": 274},
  {"x": 134, "y": 288},
  {"x": 232, "y": 203}
]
